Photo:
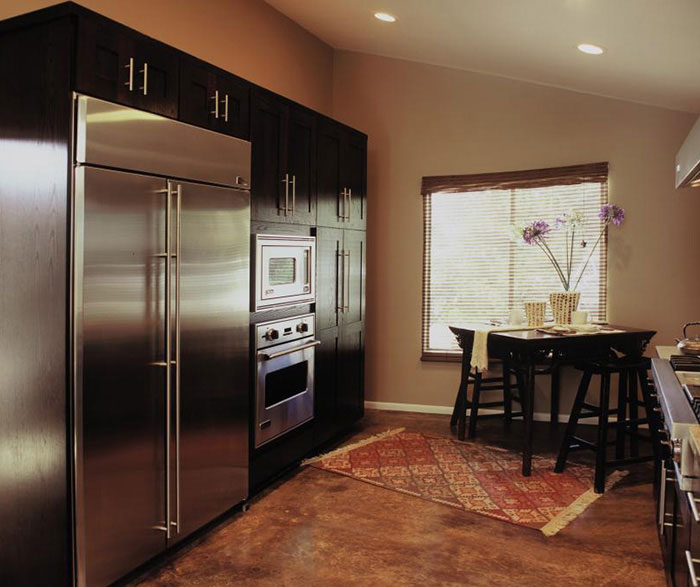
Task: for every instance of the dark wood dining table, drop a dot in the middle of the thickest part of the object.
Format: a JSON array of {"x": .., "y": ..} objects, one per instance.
[{"x": 524, "y": 349}]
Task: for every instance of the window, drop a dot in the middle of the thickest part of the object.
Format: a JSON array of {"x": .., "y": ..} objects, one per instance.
[{"x": 474, "y": 270}]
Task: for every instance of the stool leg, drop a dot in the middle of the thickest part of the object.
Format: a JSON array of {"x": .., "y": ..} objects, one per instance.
[
  {"x": 633, "y": 399},
  {"x": 621, "y": 414},
  {"x": 507, "y": 398},
  {"x": 476, "y": 392},
  {"x": 652, "y": 416},
  {"x": 455, "y": 410},
  {"x": 599, "y": 486},
  {"x": 573, "y": 421},
  {"x": 554, "y": 397}
]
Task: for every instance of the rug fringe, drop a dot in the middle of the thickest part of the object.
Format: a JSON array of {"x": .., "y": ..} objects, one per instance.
[
  {"x": 349, "y": 447},
  {"x": 577, "y": 507}
]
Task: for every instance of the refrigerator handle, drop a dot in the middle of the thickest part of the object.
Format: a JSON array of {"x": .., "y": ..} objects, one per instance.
[
  {"x": 168, "y": 352},
  {"x": 178, "y": 242}
]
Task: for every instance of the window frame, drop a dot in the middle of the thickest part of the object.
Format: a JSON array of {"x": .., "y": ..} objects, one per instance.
[{"x": 511, "y": 180}]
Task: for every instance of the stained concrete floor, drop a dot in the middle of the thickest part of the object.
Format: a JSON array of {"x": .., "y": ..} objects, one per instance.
[{"x": 317, "y": 528}]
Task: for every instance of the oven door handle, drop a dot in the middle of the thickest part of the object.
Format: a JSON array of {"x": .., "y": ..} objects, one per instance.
[{"x": 270, "y": 356}]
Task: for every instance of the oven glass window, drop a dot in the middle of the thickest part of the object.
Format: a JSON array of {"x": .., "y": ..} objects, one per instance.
[
  {"x": 285, "y": 383},
  {"x": 282, "y": 270}
]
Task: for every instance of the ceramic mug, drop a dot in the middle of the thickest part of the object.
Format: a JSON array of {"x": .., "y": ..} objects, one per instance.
[
  {"x": 579, "y": 317},
  {"x": 516, "y": 316},
  {"x": 535, "y": 313}
]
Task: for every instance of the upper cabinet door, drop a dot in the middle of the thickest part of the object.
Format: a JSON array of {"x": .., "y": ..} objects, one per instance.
[
  {"x": 301, "y": 165},
  {"x": 197, "y": 93},
  {"x": 117, "y": 64},
  {"x": 271, "y": 188},
  {"x": 234, "y": 105},
  {"x": 213, "y": 99},
  {"x": 354, "y": 168},
  {"x": 329, "y": 203}
]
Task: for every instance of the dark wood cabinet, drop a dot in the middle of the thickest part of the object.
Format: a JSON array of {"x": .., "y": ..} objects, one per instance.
[
  {"x": 214, "y": 99},
  {"x": 340, "y": 307},
  {"x": 284, "y": 161},
  {"x": 351, "y": 369},
  {"x": 342, "y": 176},
  {"x": 117, "y": 64}
]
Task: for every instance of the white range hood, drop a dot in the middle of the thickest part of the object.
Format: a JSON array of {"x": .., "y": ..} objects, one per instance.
[{"x": 688, "y": 159}]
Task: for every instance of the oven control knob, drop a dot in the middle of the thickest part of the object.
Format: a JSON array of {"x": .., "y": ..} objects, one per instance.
[
  {"x": 302, "y": 327},
  {"x": 677, "y": 449},
  {"x": 271, "y": 334}
]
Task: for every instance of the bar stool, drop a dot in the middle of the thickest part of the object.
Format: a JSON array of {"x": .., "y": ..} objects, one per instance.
[
  {"x": 480, "y": 383},
  {"x": 629, "y": 370},
  {"x": 550, "y": 366}
]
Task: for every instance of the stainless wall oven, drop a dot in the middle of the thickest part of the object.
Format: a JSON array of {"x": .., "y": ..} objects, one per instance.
[
  {"x": 284, "y": 389},
  {"x": 285, "y": 270}
]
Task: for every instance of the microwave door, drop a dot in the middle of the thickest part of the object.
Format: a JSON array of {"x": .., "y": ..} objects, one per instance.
[{"x": 286, "y": 272}]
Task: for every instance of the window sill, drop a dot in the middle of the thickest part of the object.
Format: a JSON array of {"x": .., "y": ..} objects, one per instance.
[{"x": 433, "y": 357}]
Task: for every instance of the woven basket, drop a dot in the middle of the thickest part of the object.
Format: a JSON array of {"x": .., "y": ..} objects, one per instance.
[
  {"x": 535, "y": 313},
  {"x": 563, "y": 303}
]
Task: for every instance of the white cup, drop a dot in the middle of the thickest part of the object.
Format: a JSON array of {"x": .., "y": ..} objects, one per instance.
[
  {"x": 516, "y": 316},
  {"x": 579, "y": 317}
]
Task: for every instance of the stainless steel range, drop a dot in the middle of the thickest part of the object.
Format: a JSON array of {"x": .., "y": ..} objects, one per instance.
[
  {"x": 284, "y": 389},
  {"x": 678, "y": 418}
]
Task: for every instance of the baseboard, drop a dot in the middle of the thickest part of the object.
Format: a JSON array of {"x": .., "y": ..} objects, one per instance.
[{"x": 427, "y": 409}]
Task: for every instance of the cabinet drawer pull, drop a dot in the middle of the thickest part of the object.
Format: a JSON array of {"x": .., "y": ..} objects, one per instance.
[
  {"x": 144, "y": 71},
  {"x": 691, "y": 568},
  {"x": 130, "y": 84},
  {"x": 215, "y": 97},
  {"x": 693, "y": 505}
]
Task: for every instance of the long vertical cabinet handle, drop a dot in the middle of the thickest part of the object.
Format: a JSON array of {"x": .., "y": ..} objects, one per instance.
[
  {"x": 285, "y": 181},
  {"x": 178, "y": 260},
  {"x": 340, "y": 281},
  {"x": 294, "y": 194},
  {"x": 349, "y": 204},
  {"x": 225, "y": 103},
  {"x": 168, "y": 353},
  {"x": 346, "y": 281},
  {"x": 130, "y": 66},
  {"x": 215, "y": 97},
  {"x": 144, "y": 71}
]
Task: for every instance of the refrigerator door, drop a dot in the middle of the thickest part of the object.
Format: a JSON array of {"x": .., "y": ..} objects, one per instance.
[
  {"x": 209, "y": 464},
  {"x": 120, "y": 401}
]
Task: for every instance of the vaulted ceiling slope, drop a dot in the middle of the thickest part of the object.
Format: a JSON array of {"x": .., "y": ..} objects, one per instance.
[{"x": 652, "y": 47}]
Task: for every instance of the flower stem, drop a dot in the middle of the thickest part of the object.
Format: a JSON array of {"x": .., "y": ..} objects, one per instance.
[
  {"x": 600, "y": 236},
  {"x": 553, "y": 261}
]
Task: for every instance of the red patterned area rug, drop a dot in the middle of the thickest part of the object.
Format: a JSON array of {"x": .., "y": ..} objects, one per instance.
[{"x": 480, "y": 479}]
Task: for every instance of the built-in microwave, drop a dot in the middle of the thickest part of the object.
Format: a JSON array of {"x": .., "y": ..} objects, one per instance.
[{"x": 285, "y": 270}]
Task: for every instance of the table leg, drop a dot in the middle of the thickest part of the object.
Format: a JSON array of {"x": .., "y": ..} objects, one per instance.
[
  {"x": 461, "y": 402},
  {"x": 528, "y": 414}
]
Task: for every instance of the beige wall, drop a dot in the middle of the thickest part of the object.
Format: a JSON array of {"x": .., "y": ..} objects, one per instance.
[
  {"x": 428, "y": 120},
  {"x": 246, "y": 37}
]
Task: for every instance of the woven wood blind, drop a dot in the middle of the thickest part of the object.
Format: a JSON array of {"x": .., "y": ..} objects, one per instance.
[{"x": 474, "y": 270}]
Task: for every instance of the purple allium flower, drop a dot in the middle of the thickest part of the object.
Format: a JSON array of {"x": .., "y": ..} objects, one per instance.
[
  {"x": 537, "y": 230},
  {"x": 612, "y": 213}
]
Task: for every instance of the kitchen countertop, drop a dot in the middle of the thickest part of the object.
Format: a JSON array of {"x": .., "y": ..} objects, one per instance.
[{"x": 665, "y": 352}]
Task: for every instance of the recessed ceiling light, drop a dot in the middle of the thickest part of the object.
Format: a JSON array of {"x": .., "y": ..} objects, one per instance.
[
  {"x": 590, "y": 49},
  {"x": 383, "y": 16}
]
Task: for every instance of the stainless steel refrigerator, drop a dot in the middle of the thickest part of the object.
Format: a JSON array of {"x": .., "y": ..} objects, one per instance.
[{"x": 160, "y": 272}]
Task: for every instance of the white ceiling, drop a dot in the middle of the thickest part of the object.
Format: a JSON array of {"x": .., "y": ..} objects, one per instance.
[{"x": 652, "y": 46}]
